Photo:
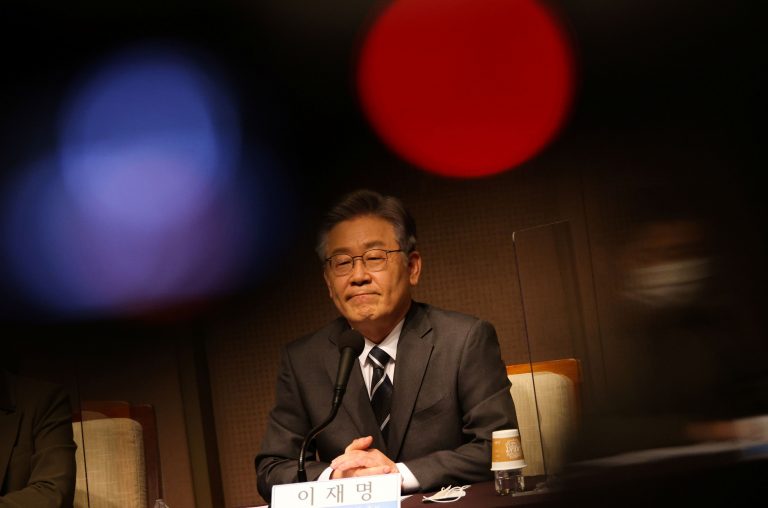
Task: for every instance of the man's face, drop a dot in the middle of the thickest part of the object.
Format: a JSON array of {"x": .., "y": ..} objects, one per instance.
[{"x": 372, "y": 302}]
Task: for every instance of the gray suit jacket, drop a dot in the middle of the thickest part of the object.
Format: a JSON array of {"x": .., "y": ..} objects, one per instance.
[
  {"x": 37, "y": 453},
  {"x": 450, "y": 393}
]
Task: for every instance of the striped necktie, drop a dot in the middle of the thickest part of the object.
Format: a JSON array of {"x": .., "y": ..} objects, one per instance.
[{"x": 381, "y": 388}]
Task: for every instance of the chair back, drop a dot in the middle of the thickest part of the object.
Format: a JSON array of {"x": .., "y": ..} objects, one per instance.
[
  {"x": 547, "y": 402},
  {"x": 118, "y": 457}
]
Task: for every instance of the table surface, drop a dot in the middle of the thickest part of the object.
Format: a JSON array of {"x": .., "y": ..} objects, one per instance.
[
  {"x": 484, "y": 495},
  {"x": 702, "y": 475},
  {"x": 708, "y": 475}
]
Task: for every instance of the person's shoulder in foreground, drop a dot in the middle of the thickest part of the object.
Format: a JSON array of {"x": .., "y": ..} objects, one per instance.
[
  {"x": 37, "y": 452},
  {"x": 448, "y": 389}
]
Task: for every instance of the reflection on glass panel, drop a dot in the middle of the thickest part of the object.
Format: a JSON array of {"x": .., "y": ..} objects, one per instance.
[
  {"x": 548, "y": 392},
  {"x": 550, "y": 292}
]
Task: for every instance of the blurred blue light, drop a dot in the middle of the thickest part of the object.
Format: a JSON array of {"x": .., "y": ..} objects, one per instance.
[
  {"x": 35, "y": 218},
  {"x": 148, "y": 139},
  {"x": 70, "y": 260},
  {"x": 147, "y": 202}
]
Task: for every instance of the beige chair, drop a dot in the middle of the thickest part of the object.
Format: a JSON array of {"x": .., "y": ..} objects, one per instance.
[
  {"x": 117, "y": 456},
  {"x": 546, "y": 396}
]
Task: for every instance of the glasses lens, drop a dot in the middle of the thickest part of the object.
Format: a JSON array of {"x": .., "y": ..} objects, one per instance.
[
  {"x": 341, "y": 264},
  {"x": 375, "y": 259}
]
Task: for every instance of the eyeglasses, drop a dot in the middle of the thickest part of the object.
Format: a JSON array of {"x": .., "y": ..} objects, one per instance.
[{"x": 374, "y": 260}]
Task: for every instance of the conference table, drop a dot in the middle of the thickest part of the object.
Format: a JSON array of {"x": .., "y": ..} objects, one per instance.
[
  {"x": 706, "y": 474},
  {"x": 484, "y": 495}
]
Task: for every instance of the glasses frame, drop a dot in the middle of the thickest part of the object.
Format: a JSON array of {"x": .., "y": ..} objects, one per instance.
[{"x": 361, "y": 257}]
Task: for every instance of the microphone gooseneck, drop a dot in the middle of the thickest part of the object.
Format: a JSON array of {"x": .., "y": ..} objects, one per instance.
[{"x": 350, "y": 344}]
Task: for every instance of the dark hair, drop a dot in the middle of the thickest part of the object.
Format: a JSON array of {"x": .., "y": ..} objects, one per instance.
[{"x": 366, "y": 202}]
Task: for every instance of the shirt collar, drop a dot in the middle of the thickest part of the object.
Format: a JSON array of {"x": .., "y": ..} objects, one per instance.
[{"x": 389, "y": 344}]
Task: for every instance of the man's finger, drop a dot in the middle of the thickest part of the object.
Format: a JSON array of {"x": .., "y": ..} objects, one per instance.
[
  {"x": 353, "y": 461},
  {"x": 360, "y": 443},
  {"x": 350, "y": 456},
  {"x": 370, "y": 471},
  {"x": 361, "y": 471}
]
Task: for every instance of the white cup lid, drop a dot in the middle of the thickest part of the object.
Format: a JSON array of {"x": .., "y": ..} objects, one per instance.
[{"x": 506, "y": 433}]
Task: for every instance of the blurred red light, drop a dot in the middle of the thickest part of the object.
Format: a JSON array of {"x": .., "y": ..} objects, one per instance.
[{"x": 466, "y": 88}]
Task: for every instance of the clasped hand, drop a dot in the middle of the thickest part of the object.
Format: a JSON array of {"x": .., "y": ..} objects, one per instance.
[{"x": 360, "y": 460}]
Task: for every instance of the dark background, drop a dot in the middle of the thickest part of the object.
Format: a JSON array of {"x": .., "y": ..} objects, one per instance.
[{"x": 668, "y": 103}]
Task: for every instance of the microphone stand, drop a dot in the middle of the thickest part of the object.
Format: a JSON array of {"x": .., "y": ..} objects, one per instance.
[
  {"x": 351, "y": 344},
  {"x": 339, "y": 393}
]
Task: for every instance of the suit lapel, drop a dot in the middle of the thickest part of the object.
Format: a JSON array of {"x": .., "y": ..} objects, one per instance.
[{"x": 413, "y": 353}]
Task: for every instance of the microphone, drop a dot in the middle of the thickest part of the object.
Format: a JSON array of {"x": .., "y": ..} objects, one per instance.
[{"x": 350, "y": 344}]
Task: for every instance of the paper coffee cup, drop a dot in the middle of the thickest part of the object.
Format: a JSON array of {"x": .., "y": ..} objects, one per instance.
[{"x": 506, "y": 450}]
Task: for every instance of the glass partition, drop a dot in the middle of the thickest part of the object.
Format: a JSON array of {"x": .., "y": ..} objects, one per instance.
[{"x": 549, "y": 391}]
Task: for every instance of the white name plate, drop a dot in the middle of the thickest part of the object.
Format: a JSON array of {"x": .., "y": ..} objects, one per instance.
[{"x": 380, "y": 491}]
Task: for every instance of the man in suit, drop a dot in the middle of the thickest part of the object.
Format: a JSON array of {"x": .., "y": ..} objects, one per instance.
[
  {"x": 37, "y": 453},
  {"x": 444, "y": 383}
]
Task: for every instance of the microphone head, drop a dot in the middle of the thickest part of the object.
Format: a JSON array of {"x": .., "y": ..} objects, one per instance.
[{"x": 352, "y": 339}]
